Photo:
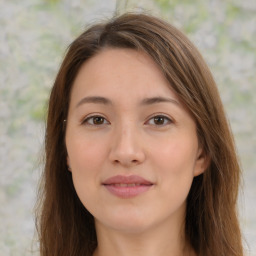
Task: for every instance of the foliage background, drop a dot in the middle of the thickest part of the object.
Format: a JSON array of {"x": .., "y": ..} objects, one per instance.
[{"x": 33, "y": 39}]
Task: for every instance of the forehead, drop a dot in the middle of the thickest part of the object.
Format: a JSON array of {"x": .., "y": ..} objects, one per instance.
[{"x": 114, "y": 72}]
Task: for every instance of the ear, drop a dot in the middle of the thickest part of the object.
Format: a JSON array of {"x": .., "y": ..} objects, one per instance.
[
  {"x": 202, "y": 162},
  {"x": 68, "y": 164}
]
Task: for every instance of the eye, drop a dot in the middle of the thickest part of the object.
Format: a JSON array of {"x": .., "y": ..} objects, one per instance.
[
  {"x": 159, "y": 120},
  {"x": 95, "y": 120}
]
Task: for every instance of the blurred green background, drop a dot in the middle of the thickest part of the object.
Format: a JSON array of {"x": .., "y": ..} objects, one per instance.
[{"x": 33, "y": 39}]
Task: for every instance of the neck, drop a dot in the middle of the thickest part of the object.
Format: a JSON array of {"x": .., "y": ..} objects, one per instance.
[{"x": 157, "y": 241}]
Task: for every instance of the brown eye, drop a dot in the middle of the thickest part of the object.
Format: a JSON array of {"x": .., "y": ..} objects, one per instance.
[
  {"x": 98, "y": 120},
  {"x": 159, "y": 120},
  {"x": 95, "y": 121}
]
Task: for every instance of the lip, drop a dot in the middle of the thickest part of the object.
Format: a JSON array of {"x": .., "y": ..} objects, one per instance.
[{"x": 127, "y": 186}]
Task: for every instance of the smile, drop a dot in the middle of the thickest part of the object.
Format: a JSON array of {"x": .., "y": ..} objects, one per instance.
[{"x": 127, "y": 186}]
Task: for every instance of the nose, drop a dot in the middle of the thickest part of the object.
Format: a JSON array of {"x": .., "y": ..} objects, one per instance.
[{"x": 127, "y": 147}]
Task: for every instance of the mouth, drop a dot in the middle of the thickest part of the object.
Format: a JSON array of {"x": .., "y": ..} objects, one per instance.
[{"x": 127, "y": 186}]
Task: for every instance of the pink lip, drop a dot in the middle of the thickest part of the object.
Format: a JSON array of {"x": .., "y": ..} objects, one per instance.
[{"x": 127, "y": 186}]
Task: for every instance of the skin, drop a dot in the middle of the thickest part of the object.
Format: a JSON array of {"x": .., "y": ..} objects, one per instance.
[{"x": 127, "y": 140}]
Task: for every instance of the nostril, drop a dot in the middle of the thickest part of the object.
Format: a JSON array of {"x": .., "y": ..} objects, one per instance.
[
  {"x": 126, "y": 155},
  {"x": 126, "y": 162}
]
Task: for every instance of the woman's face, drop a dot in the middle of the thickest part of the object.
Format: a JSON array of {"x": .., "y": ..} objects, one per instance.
[{"x": 132, "y": 146}]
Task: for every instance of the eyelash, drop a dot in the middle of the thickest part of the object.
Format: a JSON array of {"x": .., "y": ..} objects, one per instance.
[
  {"x": 86, "y": 120},
  {"x": 166, "y": 120}
]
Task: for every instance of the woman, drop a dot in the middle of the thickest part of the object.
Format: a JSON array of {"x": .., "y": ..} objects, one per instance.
[{"x": 139, "y": 156}]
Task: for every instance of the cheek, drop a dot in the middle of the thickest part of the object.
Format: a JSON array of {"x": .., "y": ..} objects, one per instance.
[
  {"x": 86, "y": 160},
  {"x": 176, "y": 155},
  {"x": 175, "y": 164},
  {"x": 85, "y": 154}
]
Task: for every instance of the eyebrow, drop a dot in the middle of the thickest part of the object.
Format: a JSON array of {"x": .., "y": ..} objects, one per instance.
[
  {"x": 94, "y": 99},
  {"x": 105, "y": 101},
  {"x": 153, "y": 100}
]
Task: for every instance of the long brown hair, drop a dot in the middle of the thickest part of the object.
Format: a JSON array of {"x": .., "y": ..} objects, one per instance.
[{"x": 64, "y": 226}]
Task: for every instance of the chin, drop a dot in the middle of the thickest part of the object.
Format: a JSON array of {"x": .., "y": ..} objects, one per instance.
[{"x": 128, "y": 223}]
